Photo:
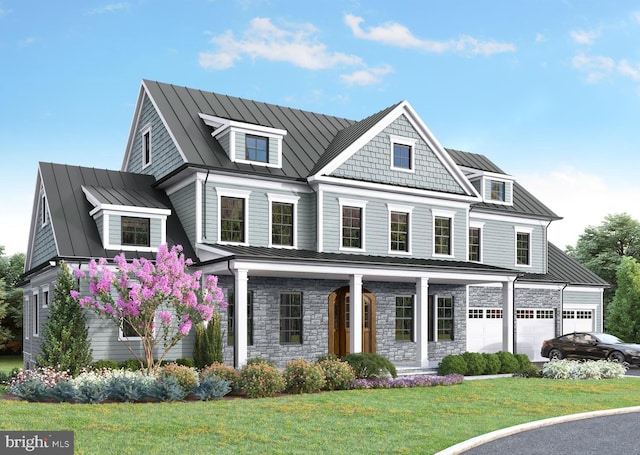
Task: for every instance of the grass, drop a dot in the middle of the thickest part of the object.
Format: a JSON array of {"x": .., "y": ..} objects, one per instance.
[
  {"x": 9, "y": 362},
  {"x": 421, "y": 420}
]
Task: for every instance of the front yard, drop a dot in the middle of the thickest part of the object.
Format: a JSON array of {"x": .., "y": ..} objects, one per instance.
[{"x": 418, "y": 420}]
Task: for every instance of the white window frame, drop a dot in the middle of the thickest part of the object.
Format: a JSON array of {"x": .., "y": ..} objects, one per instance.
[
  {"x": 122, "y": 337},
  {"x": 36, "y": 314},
  {"x": 146, "y": 130},
  {"x": 107, "y": 214},
  {"x": 285, "y": 199},
  {"x": 406, "y": 141},
  {"x": 522, "y": 230},
  {"x": 362, "y": 205},
  {"x": 235, "y": 193},
  {"x": 408, "y": 209},
  {"x": 45, "y": 296},
  {"x": 436, "y": 213},
  {"x": 477, "y": 225},
  {"x": 508, "y": 189},
  {"x": 44, "y": 214}
]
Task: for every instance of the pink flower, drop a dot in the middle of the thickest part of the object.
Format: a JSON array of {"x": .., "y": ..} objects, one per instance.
[
  {"x": 185, "y": 327},
  {"x": 165, "y": 317},
  {"x": 74, "y": 294},
  {"x": 78, "y": 273}
]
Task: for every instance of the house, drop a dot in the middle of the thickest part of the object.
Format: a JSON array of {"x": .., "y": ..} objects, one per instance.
[{"x": 300, "y": 214}]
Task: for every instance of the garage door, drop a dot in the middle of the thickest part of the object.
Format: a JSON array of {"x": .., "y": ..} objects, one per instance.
[
  {"x": 533, "y": 327},
  {"x": 484, "y": 330},
  {"x": 577, "y": 321}
]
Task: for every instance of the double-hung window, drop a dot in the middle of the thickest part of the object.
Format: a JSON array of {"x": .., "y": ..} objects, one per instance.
[
  {"x": 233, "y": 206},
  {"x": 523, "y": 246},
  {"x": 475, "y": 241},
  {"x": 291, "y": 318},
  {"x": 441, "y": 320},
  {"x": 282, "y": 230},
  {"x": 442, "y": 235},
  {"x": 399, "y": 228},
  {"x": 231, "y": 323},
  {"x": 352, "y": 224},
  {"x": 498, "y": 191},
  {"x": 404, "y": 318}
]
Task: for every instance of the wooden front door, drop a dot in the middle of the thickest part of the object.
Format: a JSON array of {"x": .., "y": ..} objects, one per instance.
[{"x": 339, "y": 321}]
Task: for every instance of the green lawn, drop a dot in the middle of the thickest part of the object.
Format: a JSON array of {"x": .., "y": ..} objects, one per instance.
[
  {"x": 423, "y": 420},
  {"x": 9, "y": 362}
]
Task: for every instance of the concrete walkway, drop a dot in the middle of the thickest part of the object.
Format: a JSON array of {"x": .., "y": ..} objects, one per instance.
[{"x": 612, "y": 431}]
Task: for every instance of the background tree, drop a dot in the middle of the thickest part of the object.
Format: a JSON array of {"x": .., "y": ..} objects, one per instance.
[
  {"x": 5, "y": 333},
  {"x": 602, "y": 248},
  {"x": 11, "y": 269},
  {"x": 623, "y": 318},
  {"x": 65, "y": 342}
]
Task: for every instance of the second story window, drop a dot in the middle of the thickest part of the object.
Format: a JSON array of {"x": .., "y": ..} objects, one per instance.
[
  {"x": 442, "y": 235},
  {"x": 402, "y": 156},
  {"x": 44, "y": 214},
  {"x": 282, "y": 223},
  {"x": 399, "y": 231},
  {"x": 474, "y": 244},
  {"x": 523, "y": 248},
  {"x": 351, "y": 227},
  {"x": 257, "y": 148},
  {"x": 497, "y": 191},
  {"x": 232, "y": 219},
  {"x": 135, "y": 231},
  {"x": 146, "y": 147}
]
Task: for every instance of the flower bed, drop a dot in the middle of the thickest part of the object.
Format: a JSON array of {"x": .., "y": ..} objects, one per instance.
[{"x": 409, "y": 381}]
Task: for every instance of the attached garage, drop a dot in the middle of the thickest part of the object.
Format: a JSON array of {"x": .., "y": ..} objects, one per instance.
[
  {"x": 484, "y": 330},
  {"x": 577, "y": 320},
  {"x": 533, "y": 327}
]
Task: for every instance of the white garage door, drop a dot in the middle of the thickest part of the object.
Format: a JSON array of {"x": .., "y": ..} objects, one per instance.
[
  {"x": 577, "y": 321},
  {"x": 533, "y": 327},
  {"x": 484, "y": 330}
]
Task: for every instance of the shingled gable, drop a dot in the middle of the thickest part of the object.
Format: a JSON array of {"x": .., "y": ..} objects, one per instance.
[{"x": 74, "y": 230}]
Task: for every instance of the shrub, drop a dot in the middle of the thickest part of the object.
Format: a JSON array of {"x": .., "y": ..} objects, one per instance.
[
  {"x": 493, "y": 363},
  {"x": 591, "y": 369},
  {"x": 105, "y": 364},
  {"x": 523, "y": 361},
  {"x": 221, "y": 371},
  {"x": 187, "y": 376},
  {"x": 452, "y": 364},
  {"x": 338, "y": 375},
  {"x": 64, "y": 392},
  {"x": 207, "y": 348},
  {"x": 6, "y": 378},
  {"x": 508, "y": 362},
  {"x": 476, "y": 363},
  {"x": 301, "y": 376},
  {"x": 185, "y": 362},
  {"x": 30, "y": 389},
  {"x": 91, "y": 386},
  {"x": 367, "y": 365},
  {"x": 167, "y": 388},
  {"x": 259, "y": 379},
  {"x": 255, "y": 360},
  {"x": 212, "y": 388},
  {"x": 130, "y": 365},
  {"x": 129, "y": 386},
  {"x": 531, "y": 371}
]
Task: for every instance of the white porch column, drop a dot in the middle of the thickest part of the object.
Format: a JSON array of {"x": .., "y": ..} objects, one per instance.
[
  {"x": 507, "y": 316},
  {"x": 240, "y": 318},
  {"x": 422, "y": 321},
  {"x": 355, "y": 323}
]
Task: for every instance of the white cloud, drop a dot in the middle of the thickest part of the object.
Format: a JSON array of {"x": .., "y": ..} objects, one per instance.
[
  {"x": 582, "y": 199},
  {"x": 600, "y": 67},
  {"x": 264, "y": 40},
  {"x": 584, "y": 37},
  {"x": 627, "y": 69},
  {"x": 367, "y": 76},
  {"x": 540, "y": 38},
  {"x": 394, "y": 34},
  {"x": 636, "y": 16},
  {"x": 110, "y": 8}
]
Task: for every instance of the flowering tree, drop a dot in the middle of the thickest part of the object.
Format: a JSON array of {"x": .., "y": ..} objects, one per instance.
[{"x": 159, "y": 302}]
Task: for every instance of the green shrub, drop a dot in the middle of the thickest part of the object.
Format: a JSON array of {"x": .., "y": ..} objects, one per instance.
[
  {"x": 64, "y": 392},
  {"x": 130, "y": 365},
  {"x": 338, "y": 375},
  {"x": 185, "y": 362},
  {"x": 523, "y": 361},
  {"x": 493, "y": 363},
  {"x": 259, "y": 380},
  {"x": 212, "y": 388},
  {"x": 476, "y": 363},
  {"x": 5, "y": 378},
  {"x": 452, "y": 364},
  {"x": 301, "y": 376},
  {"x": 104, "y": 365},
  {"x": 255, "y": 360},
  {"x": 130, "y": 388},
  {"x": 530, "y": 371},
  {"x": 31, "y": 389},
  {"x": 187, "y": 376},
  {"x": 367, "y": 365},
  {"x": 221, "y": 371},
  {"x": 508, "y": 362},
  {"x": 167, "y": 388},
  {"x": 207, "y": 348}
]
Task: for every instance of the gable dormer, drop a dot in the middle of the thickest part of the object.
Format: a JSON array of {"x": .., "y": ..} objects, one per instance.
[
  {"x": 127, "y": 221},
  {"x": 247, "y": 143},
  {"x": 494, "y": 188}
]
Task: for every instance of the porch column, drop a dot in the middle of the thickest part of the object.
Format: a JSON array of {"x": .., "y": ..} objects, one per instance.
[
  {"x": 507, "y": 316},
  {"x": 355, "y": 323},
  {"x": 422, "y": 321},
  {"x": 240, "y": 318}
]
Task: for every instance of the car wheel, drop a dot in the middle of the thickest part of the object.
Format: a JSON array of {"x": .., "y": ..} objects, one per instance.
[
  {"x": 556, "y": 354},
  {"x": 616, "y": 356}
]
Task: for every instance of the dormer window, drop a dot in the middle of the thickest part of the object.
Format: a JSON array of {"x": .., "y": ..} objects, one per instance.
[
  {"x": 497, "y": 191},
  {"x": 256, "y": 148},
  {"x": 135, "y": 231}
]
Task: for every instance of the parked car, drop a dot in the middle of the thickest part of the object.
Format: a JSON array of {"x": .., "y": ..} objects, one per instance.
[{"x": 591, "y": 345}]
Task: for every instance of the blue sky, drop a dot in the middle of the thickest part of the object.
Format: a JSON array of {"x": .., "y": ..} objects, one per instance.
[{"x": 547, "y": 89}]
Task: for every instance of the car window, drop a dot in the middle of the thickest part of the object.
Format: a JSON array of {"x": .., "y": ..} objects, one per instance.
[
  {"x": 588, "y": 338},
  {"x": 610, "y": 339},
  {"x": 580, "y": 338}
]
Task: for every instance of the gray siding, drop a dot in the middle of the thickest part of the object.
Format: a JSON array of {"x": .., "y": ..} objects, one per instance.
[
  {"x": 376, "y": 227},
  {"x": 184, "y": 203},
  {"x": 373, "y": 163},
  {"x": 575, "y": 297},
  {"x": 164, "y": 153},
  {"x": 44, "y": 245}
]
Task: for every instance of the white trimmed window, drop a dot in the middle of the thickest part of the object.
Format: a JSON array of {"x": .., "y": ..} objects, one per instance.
[
  {"x": 126, "y": 332},
  {"x": 233, "y": 220},
  {"x": 443, "y": 232},
  {"x": 45, "y": 297},
  {"x": 36, "y": 315},
  {"x": 402, "y": 153},
  {"x": 146, "y": 146},
  {"x": 399, "y": 228},
  {"x": 283, "y": 218},
  {"x": 475, "y": 241},
  {"x": 523, "y": 246},
  {"x": 44, "y": 212},
  {"x": 352, "y": 222}
]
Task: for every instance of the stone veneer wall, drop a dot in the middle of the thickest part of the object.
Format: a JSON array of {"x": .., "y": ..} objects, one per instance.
[{"x": 440, "y": 349}]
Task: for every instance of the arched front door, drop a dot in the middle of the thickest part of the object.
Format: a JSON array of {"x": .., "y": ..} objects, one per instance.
[{"x": 339, "y": 320}]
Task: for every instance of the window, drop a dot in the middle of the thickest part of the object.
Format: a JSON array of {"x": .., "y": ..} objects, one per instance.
[
  {"x": 404, "y": 318},
  {"x": 474, "y": 244},
  {"x": 291, "y": 318},
  {"x": 257, "y": 148},
  {"x": 44, "y": 214},
  {"x": 45, "y": 298},
  {"x": 523, "y": 256},
  {"x": 127, "y": 332},
  {"x": 232, "y": 216},
  {"x": 442, "y": 235},
  {"x": 402, "y": 156},
  {"x": 441, "y": 319},
  {"x": 231, "y": 317},
  {"x": 351, "y": 227},
  {"x": 36, "y": 321},
  {"x": 399, "y": 231},
  {"x": 282, "y": 223},
  {"x": 135, "y": 231},
  {"x": 497, "y": 191},
  {"x": 146, "y": 147}
]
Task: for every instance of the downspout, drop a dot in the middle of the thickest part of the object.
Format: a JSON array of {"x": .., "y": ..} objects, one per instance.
[
  {"x": 562, "y": 309},
  {"x": 233, "y": 281},
  {"x": 204, "y": 206},
  {"x": 515, "y": 319}
]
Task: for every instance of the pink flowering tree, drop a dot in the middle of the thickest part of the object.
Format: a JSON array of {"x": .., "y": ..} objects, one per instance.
[{"x": 158, "y": 301}]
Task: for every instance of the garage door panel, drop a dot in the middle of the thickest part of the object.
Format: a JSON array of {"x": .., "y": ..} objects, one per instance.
[
  {"x": 484, "y": 330},
  {"x": 578, "y": 320},
  {"x": 533, "y": 327}
]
